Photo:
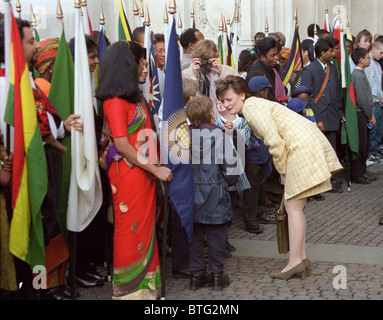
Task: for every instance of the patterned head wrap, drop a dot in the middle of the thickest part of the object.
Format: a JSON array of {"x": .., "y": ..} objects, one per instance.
[
  {"x": 46, "y": 54},
  {"x": 285, "y": 52}
]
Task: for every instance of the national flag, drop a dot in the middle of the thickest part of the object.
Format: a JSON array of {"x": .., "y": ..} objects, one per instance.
[
  {"x": 327, "y": 23},
  {"x": 295, "y": 62},
  {"x": 229, "y": 56},
  {"x": 29, "y": 176},
  {"x": 336, "y": 35},
  {"x": 37, "y": 38},
  {"x": 349, "y": 130},
  {"x": 124, "y": 31},
  {"x": 6, "y": 130},
  {"x": 175, "y": 138},
  {"x": 154, "y": 89},
  {"x": 85, "y": 193},
  {"x": 86, "y": 21},
  {"x": 220, "y": 49},
  {"x": 61, "y": 95},
  {"x": 102, "y": 44}
]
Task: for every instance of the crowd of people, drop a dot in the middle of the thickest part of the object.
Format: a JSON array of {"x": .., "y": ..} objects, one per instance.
[{"x": 292, "y": 149}]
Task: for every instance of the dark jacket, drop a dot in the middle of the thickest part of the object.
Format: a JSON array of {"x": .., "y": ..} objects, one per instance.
[
  {"x": 270, "y": 75},
  {"x": 213, "y": 173},
  {"x": 329, "y": 108}
]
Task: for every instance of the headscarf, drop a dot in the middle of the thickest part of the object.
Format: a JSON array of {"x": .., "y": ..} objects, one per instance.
[{"x": 46, "y": 54}]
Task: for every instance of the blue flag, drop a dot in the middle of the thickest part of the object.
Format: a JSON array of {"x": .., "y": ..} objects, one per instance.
[
  {"x": 155, "y": 94},
  {"x": 102, "y": 44},
  {"x": 175, "y": 138}
]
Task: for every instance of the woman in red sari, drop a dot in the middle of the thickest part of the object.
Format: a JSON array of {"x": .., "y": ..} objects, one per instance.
[{"x": 130, "y": 158}]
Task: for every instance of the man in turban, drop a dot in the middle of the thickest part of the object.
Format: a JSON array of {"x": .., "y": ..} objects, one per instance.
[{"x": 46, "y": 57}]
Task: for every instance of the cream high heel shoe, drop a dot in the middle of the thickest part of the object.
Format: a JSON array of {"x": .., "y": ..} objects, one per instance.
[
  {"x": 300, "y": 269},
  {"x": 307, "y": 264}
]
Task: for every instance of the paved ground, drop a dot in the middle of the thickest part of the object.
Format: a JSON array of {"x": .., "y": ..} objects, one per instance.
[{"x": 344, "y": 243}]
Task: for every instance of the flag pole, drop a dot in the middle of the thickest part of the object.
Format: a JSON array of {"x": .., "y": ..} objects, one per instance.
[
  {"x": 72, "y": 234},
  {"x": 164, "y": 241}
]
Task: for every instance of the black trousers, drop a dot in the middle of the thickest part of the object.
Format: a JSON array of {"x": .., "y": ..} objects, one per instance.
[
  {"x": 50, "y": 205},
  {"x": 358, "y": 165},
  {"x": 254, "y": 198},
  {"x": 215, "y": 235},
  {"x": 179, "y": 242}
]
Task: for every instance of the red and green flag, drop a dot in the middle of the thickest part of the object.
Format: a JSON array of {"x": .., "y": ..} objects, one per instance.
[{"x": 29, "y": 178}]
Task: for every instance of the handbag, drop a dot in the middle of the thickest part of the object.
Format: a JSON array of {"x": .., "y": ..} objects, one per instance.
[{"x": 282, "y": 228}]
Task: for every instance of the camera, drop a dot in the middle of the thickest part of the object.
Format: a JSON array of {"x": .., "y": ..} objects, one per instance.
[{"x": 206, "y": 64}]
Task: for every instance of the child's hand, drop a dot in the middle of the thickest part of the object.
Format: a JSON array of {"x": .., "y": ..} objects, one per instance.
[
  {"x": 229, "y": 125},
  {"x": 283, "y": 179}
]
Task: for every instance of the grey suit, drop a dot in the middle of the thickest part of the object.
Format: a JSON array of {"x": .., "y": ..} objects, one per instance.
[{"x": 329, "y": 108}]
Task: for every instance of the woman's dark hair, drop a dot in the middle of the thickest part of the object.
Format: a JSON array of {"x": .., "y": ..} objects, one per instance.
[
  {"x": 238, "y": 84},
  {"x": 265, "y": 45},
  {"x": 357, "y": 54},
  {"x": 118, "y": 74},
  {"x": 245, "y": 60},
  {"x": 322, "y": 45},
  {"x": 138, "y": 51},
  {"x": 91, "y": 45}
]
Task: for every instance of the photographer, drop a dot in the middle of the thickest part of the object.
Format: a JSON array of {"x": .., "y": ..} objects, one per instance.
[{"x": 206, "y": 67}]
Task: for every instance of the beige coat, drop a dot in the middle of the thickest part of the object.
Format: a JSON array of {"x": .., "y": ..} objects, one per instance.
[{"x": 299, "y": 149}]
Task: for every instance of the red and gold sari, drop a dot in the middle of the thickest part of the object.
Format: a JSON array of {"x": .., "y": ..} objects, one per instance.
[{"x": 136, "y": 261}]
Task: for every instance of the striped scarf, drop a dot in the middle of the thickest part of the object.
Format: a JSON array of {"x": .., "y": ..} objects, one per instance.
[{"x": 280, "y": 92}]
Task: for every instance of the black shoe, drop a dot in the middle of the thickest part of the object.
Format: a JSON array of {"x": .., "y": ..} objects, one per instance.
[
  {"x": 266, "y": 218},
  {"x": 228, "y": 254},
  {"x": 381, "y": 221},
  {"x": 371, "y": 178},
  {"x": 337, "y": 190},
  {"x": 219, "y": 281},
  {"x": 86, "y": 281},
  {"x": 198, "y": 282},
  {"x": 229, "y": 246},
  {"x": 253, "y": 228},
  {"x": 56, "y": 293},
  {"x": 319, "y": 197},
  {"x": 360, "y": 180},
  {"x": 178, "y": 274}
]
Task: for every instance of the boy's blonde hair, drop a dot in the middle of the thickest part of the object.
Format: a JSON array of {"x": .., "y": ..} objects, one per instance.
[
  {"x": 190, "y": 88},
  {"x": 199, "y": 110}
]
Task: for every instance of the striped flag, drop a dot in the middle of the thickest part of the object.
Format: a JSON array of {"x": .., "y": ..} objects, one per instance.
[
  {"x": 295, "y": 62},
  {"x": 229, "y": 57},
  {"x": 29, "y": 178},
  {"x": 124, "y": 31},
  {"x": 220, "y": 49}
]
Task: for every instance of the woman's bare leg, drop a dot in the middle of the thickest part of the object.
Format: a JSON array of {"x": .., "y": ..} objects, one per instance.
[{"x": 297, "y": 232}]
